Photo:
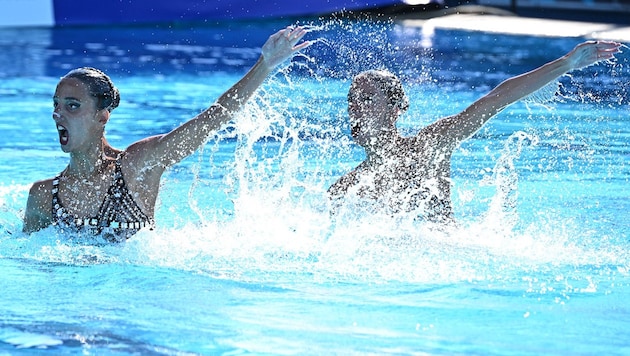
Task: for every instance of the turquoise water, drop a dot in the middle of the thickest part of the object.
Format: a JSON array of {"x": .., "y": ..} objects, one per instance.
[{"x": 245, "y": 259}]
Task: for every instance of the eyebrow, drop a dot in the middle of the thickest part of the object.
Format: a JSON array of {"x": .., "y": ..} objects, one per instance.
[{"x": 66, "y": 98}]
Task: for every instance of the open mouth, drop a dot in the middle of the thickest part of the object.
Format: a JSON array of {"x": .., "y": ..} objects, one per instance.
[{"x": 63, "y": 134}]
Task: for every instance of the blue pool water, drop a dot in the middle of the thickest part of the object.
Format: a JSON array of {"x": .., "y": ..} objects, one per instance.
[{"x": 245, "y": 259}]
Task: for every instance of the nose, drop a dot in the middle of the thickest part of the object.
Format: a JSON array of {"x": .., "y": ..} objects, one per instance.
[
  {"x": 352, "y": 107},
  {"x": 56, "y": 115}
]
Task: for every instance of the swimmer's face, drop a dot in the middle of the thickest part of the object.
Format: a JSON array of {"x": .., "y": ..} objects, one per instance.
[
  {"x": 369, "y": 111},
  {"x": 77, "y": 120}
]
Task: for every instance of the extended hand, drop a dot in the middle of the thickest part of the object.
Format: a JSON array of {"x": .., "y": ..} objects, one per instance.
[
  {"x": 591, "y": 52},
  {"x": 282, "y": 44}
]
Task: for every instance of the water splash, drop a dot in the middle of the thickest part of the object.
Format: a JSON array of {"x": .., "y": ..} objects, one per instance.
[
  {"x": 503, "y": 206},
  {"x": 544, "y": 95},
  {"x": 285, "y": 148}
]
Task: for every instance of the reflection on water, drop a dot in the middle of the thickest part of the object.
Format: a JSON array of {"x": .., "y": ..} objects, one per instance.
[{"x": 24, "y": 52}]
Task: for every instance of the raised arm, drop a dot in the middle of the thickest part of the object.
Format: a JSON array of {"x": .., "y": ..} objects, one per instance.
[
  {"x": 170, "y": 148},
  {"x": 456, "y": 128}
]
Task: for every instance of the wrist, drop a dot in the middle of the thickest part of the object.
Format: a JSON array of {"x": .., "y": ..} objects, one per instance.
[
  {"x": 567, "y": 63},
  {"x": 263, "y": 65}
]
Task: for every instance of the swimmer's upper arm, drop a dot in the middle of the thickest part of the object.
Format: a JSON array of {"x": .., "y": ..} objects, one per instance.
[
  {"x": 170, "y": 148},
  {"x": 463, "y": 125},
  {"x": 450, "y": 131},
  {"x": 38, "y": 214}
]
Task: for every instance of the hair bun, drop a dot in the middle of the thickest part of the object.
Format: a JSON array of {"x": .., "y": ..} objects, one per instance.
[{"x": 99, "y": 85}]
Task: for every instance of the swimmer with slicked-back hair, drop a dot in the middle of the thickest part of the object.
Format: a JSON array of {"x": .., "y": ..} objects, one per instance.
[
  {"x": 412, "y": 174},
  {"x": 111, "y": 192}
]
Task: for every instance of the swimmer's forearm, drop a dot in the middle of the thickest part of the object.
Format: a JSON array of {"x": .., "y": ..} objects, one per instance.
[
  {"x": 583, "y": 55},
  {"x": 279, "y": 47},
  {"x": 235, "y": 98},
  {"x": 520, "y": 86},
  {"x": 228, "y": 104},
  {"x": 459, "y": 127},
  {"x": 509, "y": 91},
  {"x": 463, "y": 125},
  {"x": 188, "y": 137},
  {"x": 184, "y": 140}
]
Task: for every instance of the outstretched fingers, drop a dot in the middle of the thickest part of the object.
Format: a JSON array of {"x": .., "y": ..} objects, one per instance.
[
  {"x": 294, "y": 34},
  {"x": 592, "y": 52},
  {"x": 282, "y": 44},
  {"x": 607, "y": 49}
]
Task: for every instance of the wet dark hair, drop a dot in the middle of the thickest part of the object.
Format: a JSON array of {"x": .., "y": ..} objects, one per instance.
[
  {"x": 99, "y": 85},
  {"x": 391, "y": 86}
]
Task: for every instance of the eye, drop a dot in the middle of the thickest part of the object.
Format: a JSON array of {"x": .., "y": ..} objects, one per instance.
[
  {"x": 73, "y": 105},
  {"x": 366, "y": 99}
]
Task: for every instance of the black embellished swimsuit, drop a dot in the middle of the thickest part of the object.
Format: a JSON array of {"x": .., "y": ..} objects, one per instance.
[{"x": 118, "y": 218}]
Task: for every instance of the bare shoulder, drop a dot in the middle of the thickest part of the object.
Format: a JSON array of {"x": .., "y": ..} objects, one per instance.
[
  {"x": 440, "y": 127},
  {"x": 146, "y": 153},
  {"x": 142, "y": 172},
  {"x": 440, "y": 135},
  {"x": 41, "y": 190},
  {"x": 345, "y": 182},
  {"x": 140, "y": 157},
  {"x": 140, "y": 149},
  {"x": 38, "y": 212},
  {"x": 342, "y": 184}
]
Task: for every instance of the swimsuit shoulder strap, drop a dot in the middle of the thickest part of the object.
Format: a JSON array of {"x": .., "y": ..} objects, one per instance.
[
  {"x": 119, "y": 180},
  {"x": 56, "y": 204}
]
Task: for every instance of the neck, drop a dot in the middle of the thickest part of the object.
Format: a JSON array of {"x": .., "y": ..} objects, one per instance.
[
  {"x": 86, "y": 163},
  {"x": 381, "y": 150},
  {"x": 375, "y": 158}
]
